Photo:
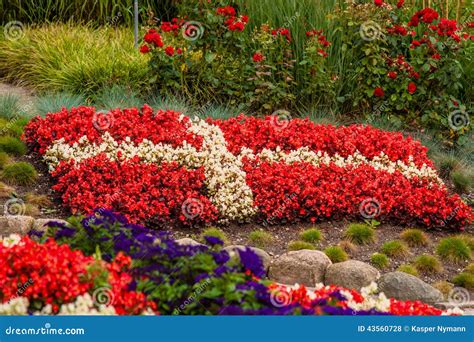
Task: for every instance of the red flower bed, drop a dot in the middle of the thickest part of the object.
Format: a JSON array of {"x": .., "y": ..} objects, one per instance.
[
  {"x": 197, "y": 172},
  {"x": 257, "y": 134},
  {"x": 301, "y": 191},
  {"x": 140, "y": 191},
  {"x": 158, "y": 127},
  {"x": 52, "y": 274}
]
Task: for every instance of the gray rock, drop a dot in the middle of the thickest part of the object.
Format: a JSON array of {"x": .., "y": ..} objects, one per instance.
[
  {"x": 40, "y": 225},
  {"x": 233, "y": 252},
  {"x": 15, "y": 224},
  {"x": 305, "y": 267},
  {"x": 352, "y": 274},
  {"x": 188, "y": 242},
  {"x": 403, "y": 286}
]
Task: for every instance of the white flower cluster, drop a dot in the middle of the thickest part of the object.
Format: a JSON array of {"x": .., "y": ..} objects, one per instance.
[
  {"x": 225, "y": 178},
  {"x": 372, "y": 300},
  {"x": 381, "y": 162},
  {"x": 84, "y": 305},
  {"x": 11, "y": 240},
  {"x": 15, "y": 306}
]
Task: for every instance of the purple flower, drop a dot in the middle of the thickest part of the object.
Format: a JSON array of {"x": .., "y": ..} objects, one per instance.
[
  {"x": 252, "y": 262},
  {"x": 212, "y": 240}
]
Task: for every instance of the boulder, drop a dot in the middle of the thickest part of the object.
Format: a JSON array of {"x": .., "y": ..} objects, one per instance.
[
  {"x": 233, "y": 252},
  {"x": 188, "y": 242},
  {"x": 403, "y": 286},
  {"x": 305, "y": 267},
  {"x": 15, "y": 224},
  {"x": 352, "y": 274}
]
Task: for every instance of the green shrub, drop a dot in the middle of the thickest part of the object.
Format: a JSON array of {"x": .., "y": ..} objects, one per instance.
[
  {"x": 408, "y": 269},
  {"x": 469, "y": 268},
  {"x": 336, "y": 254},
  {"x": 298, "y": 245},
  {"x": 395, "y": 249},
  {"x": 74, "y": 58},
  {"x": 414, "y": 237},
  {"x": 54, "y": 102},
  {"x": 117, "y": 96},
  {"x": 5, "y": 190},
  {"x": 360, "y": 233},
  {"x": 4, "y": 159},
  {"x": 9, "y": 106},
  {"x": 379, "y": 260},
  {"x": 20, "y": 173},
  {"x": 259, "y": 238},
  {"x": 215, "y": 232},
  {"x": 462, "y": 181},
  {"x": 444, "y": 287},
  {"x": 468, "y": 239},
  {"x": 428, "y": 264},
  {"x": 453, "y": 249},
  {"x": 12, "y": 145},
  {"x": 464, "y": 279},
  {"x": 312, "y": 235}
]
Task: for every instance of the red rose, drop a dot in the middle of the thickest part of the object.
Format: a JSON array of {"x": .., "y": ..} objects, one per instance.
[
  {"x": 411, "y": 87},
  {"x": 169, "y": 50},
  {"x": 378, "y": 92},
  {"x": 144, "y": 49},
  {"x": 258, "y": 57},
  {"x": 392, "y": 74},
  {"x": 179, "y": 51},
  {"x": 436, "y": 56},
  {"x": 400, "y": 3},
  {"x": 378, "y": 2}
]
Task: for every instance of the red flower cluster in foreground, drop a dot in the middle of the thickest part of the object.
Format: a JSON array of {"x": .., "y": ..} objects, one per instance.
[{"x": 56, "y": 275}]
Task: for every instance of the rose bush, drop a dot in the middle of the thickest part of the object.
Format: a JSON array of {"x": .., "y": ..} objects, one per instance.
[{"x": 240, "y": 169}]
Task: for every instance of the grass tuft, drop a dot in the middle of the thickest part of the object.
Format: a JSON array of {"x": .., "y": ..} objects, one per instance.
[
  {"x": 414, "y": 237},
  {"x": 20, "y": 173},
  {"x": 453, "y": 249},
  {"x": 259, "y": 238},
  {"x": 336, "y": 254},
  {"x": 465, "y": 280},
  {"x": 428, "y": 264},
  {"x": 407, "y": 268},
  {"x": 312, "y": 235},
  {"x": 380, "y": 260},
  {"x": 299, "y": 245},
  {"x": 360, "y": 233},
  {"x": 395, "y": 249},
  {"x": 12, "y": 145}
]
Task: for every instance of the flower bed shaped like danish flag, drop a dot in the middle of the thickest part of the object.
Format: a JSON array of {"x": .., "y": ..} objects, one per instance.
[{"x": 165, "y": 167}]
